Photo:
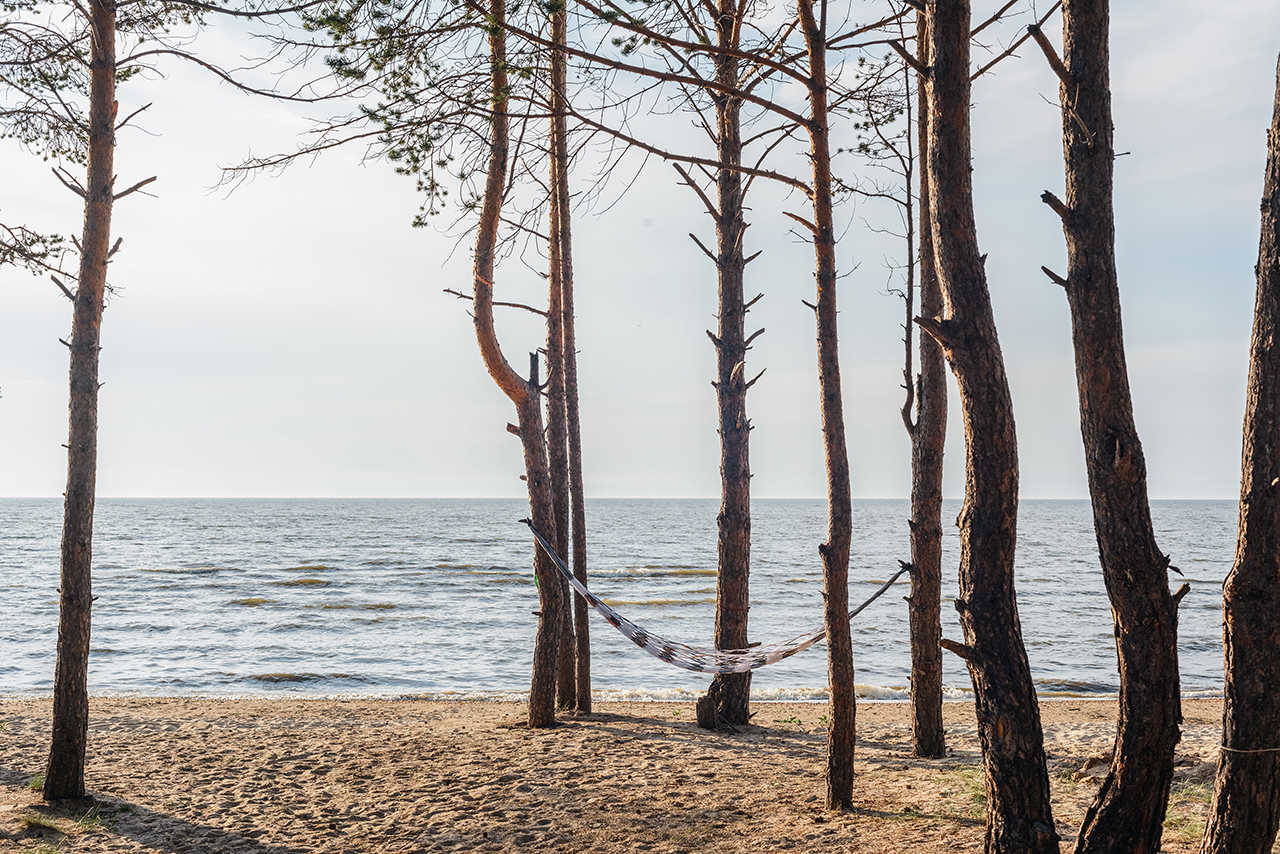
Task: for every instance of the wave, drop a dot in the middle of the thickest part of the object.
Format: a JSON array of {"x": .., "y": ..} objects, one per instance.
[
  {"x": 354, "y": 606},
  {"x": 185, "y": 570},
  {"x": 704, "y": 600},
  {"x": 252, "y": 601},
  {"x": 282, "y": 678},
  {"x": 310, "y": 567},
  {"x": 303, "y": 582},
  {"x": 653, "y": 571}
]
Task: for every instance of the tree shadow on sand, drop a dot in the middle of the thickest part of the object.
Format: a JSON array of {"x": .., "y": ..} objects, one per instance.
[{"x": 102, "y": 815}]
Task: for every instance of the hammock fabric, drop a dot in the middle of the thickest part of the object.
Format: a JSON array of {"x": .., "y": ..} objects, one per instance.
[{"x": 691, "y": 658}]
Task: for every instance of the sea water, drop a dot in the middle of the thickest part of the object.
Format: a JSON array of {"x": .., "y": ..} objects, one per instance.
[{"x": 435, "y": 597}]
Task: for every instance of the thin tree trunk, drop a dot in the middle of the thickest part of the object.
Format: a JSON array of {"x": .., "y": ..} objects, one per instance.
[
  {"x": 727, "y": 701},
  {"x": 577, "y": 499},
  {"x": 1019, "y": 815},
  {"x": 557, "y": 428},
  {"x": 835, "y": 551},
  {"x": 64, "y": 777},
  {"x": 1246, "y": 796},
  {"x": 524, "y": 394},
  {"x": 928, "y": 438},
  {"x": 1127, "y": 815}
]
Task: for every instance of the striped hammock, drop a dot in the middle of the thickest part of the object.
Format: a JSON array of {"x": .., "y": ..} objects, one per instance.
[{"x": 699, "y": 660}]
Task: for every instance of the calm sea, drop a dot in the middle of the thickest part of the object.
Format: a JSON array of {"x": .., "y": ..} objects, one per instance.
[{"x": 433, "y": 597}]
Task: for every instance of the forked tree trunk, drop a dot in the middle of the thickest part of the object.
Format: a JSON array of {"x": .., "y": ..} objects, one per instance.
[
  {"x": 1246, "y": 795},
  {"x": 563, "y": 238},
  {"x": 1019, "y": 815},
  {"x": 557, "y": 427},
  {"x": 524, "y": 394},
  {"x": 64, "y": 777},
  {"x": 835, "y": 551},
  {"x": 727, "y": 701},
  {"x": 1127, "y": 815},
  {"x": 928, "y": 438}
]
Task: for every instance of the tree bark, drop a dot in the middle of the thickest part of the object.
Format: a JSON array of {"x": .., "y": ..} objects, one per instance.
[
  {"x": 1019, "y": 815},
  {"x": 1127, "y": 815},
  {"x": 835, "y": 551},
  {"x": 64, "y": 777},
  {"x": 524, "y": 394},
  {"x": 928, "y": 438},
  {"x": 573, "y": 426},
  {"x": 728, "y": 699},
  {"x": 1245, "y": 811},
  {"x": 557, "y": 427}
]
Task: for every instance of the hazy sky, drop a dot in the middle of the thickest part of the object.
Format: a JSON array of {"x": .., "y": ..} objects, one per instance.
[{"x": 291, "y": 338}]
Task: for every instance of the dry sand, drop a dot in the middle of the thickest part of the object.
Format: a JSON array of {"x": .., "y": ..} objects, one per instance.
[{"x": 276, "y": 777}]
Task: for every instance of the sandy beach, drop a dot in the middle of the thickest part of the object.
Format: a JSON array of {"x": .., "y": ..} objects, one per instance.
[{"x": 286, "y": 776}]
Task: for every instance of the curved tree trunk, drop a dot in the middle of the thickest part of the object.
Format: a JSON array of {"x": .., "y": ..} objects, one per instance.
[
  {"x": 1246, "y": 796},
  {"x": 524, "y": 394},
  {"x": 727, "y": 701},
  {"x": 928, "y": 438},
  {"x": 835, "y": 551},
  {"x": 64, "y": 777},
  {"x": 1127, "y": 816},
  {"x": 573, "y": 427},
  {"x": 1019, "y": 815}
]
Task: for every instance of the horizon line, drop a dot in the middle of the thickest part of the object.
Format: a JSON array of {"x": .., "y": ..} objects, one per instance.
[{"x": 589, "y": 498}]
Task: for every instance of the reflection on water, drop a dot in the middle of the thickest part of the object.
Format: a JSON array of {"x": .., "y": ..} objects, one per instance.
[{"x": 247, "y": 597}]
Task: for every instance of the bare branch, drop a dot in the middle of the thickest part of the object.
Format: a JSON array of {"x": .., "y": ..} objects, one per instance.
[
  {"x": 1017, "y": 44},
  {"x": 1054, "y": 277},
  {"x": 1050, "y": 54},
  {"x": 68, "y": 182},
  {"x": 519, "y": 305},
  {"x": 135, "y": 188}
]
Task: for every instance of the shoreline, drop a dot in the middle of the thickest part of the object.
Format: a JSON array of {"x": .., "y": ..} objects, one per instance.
[
  {"x": 598, "y": 698},
  {"x": 293, "y": 775}
]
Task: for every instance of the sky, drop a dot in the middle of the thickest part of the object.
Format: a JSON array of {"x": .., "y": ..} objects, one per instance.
[{"x": 291, "y": 338}]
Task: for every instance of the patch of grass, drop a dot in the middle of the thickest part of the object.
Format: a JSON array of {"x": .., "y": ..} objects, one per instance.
[
  {"x": 36, "y": 783},
  {"x": 791, "y": 720},
  {"x": 676, "y": 714},
  {"x": 92, "y": 820},
  {"x": 1184, "y": 820},
  {"x": 973, "y": 789},
  {"x": 39, "y": 821}
]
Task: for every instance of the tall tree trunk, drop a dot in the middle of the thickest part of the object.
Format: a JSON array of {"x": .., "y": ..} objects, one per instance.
[
  {"x": 557, "y": 428},
  {"x": 64, "y": 777},
  {"x": 727, "y": 701},
  {"x": 524, "y": 394},
  {"x": 835, "y": 551},
  {"x": 1019, "y": 815},
  {"x": 928, "y": 438},
  {"x": 1127, "y": 815},
  {"x": 563, "y": 237},
  {"x": 1246, "y": 795}
]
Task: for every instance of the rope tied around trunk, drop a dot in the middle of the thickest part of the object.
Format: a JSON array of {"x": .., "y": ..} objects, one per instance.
[
  {"x": 700, "y": 660},
  {"x": 1250, "y": 749}
]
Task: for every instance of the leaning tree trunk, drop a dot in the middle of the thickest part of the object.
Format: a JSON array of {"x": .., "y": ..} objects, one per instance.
[
  {"x": 1019, "y": 815},
  {"x": 1246, "y": 796},
  {"x": 557, "y": 427},
  {"x": 569, "y": 358},
  {"x": 727, "y": 701},
  {"x": 928, "y": 438},
  {"x": 1127, "y": 815},
  {"x": 64, "y": 777},
  {"x": 523, "y": 393},
  {"x": 835, "y": 551}
]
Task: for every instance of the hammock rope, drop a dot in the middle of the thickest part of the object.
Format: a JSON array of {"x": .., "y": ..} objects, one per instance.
[{"x": 698, "y": 660}]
